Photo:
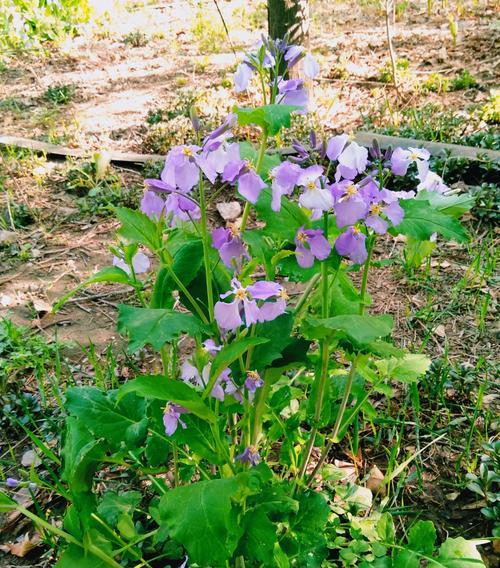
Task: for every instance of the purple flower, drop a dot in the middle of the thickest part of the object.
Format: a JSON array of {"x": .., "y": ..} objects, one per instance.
[
  {"x": 181, "y": 208},
  {"x": 253, "y": 381},
  {"x": 432, "y": 182},
  {"x": 293, "y": 92},
  {"x": 229, "y": 315},
  {"x": 311, "y": 67},
  {"x": 211, "y": 347},
  {"x": 335, "y": 146},
  {"x": 172, "y": 418},
  {"x": 401, "y": 159},
  {"x": 317, "y": 246},
  {"x": 11, "y": 483},
  {"x": 232, "y": 249},
  {"x": 220, "y": 133},
  {"x": 242, "y": 77},
  {"x": 292, "y": 54},
  {"x": 314, "y": 197},
  {"x": 140, "y": 263},
  {"x": 180, "y": 168},
  {"x": 250, "y": 184},
  {"x": 351, "y": 243},
  {"x": 352, "y": 161},
  {"x": 152, "y": 205},
  {"x": 284, "y": 178},
  {"x": 350, "y": 206},
  {"x": 250, "y": 455}
]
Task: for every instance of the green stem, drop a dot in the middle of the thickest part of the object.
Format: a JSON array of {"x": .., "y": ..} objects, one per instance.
[
  {"x": 259, "y": 409},
  {"x": 206, "y": 249},
  {"x": 306, "y": 293},
  {"x": 366, "y": 270},
  {"x": 258, "y": 165}
]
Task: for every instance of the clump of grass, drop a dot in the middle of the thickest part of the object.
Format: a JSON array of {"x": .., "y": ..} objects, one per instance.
[
  {"x": 137, "y": 38},
  {"x": 13, "y": 104},
  {"x": 60, "y": 94},
  {"x": 464, "y": 81},
  {"x": 490, "y": 112},
  {"x": 402, "y": 70},
  {"x": 208, "y": 33},
  {"x": 436, "y": 83}
]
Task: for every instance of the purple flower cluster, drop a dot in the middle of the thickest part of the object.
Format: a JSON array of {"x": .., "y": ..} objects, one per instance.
[
  {"x": 259, "y": 302},
  {"x": 268, "y": 59},
  {"x": 232, "y": 250}
]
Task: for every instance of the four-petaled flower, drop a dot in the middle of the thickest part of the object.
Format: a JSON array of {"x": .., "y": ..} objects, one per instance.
[
  {"x": 314, "y": 197},
  {"x": 232, "y": 250},
  {"x": 401, "y": 159},
  {"x": 311, "y": 244},
  {"x": 250, "y": 456},
  {"x": 172, "y": 418},
  {"x": 351, "y": 243},
  {"x": 140, "y": 263},
  {"x": 253, "y": 381}
]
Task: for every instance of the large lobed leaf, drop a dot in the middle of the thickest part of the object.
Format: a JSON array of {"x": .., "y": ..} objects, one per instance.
[
  {"x": 360, "y": 329},
  {"x": 155, "y": 326},
  {"x": 271, "y": 118}
]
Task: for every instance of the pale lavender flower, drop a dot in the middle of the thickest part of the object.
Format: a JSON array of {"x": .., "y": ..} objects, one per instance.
[
  {"x": 284, "y": 178},
  {"x": 432, "y": 182},
  {"x": 232, "y": 249},
  {"x": 292, "y": 54},
  {"x": 242, "y": 77},
  {"x": 352, "y": 161},
  {"x": 401, "y": 159},
  {"x": 250, "y": 184},
  {"x": 181, "y": 208},
  {"x": 335, "y": 146},
  {"x": 228, "y": 314},
  {"x": 180, "y": 168},
  {"x": 314, "y": 197},
  {"x": 11, "y": 483},
  {"x": 293, "y": 92},
  {"x": 310, "y": 66},
  {"x": 253, "y": 381},
  {"x": 211, "y": 347},
  {"x": 350, "y": 206},
  {"x": 250, "y": 456},
  {"x": 351, "y": 243},
  {"x": 152, "y": 205},
  {"x": 311, "y": 244},
  {"x": 172, "y": 418},
  {"x": 140, "y": 263}
]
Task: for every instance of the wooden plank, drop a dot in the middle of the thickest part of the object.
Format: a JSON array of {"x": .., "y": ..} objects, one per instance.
[
  {"x": 364, "y": 138},
  {"x": 64, "y": 151},
  {"x": 435, "y": 148}
]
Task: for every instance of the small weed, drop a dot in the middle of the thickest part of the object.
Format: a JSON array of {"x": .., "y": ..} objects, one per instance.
[
  {"x": 487, "y": 206},
  {"x": 436, "y": 83},
  {"x": 136, "y": 38},
  {"x": 208, "y": 33},
  {"x": 13, "y": 104},
  {"x": 463, "y": 82},
  {"x": 490, "y": 112},
  {"x": 60, "y": 94},
  {"x": 402, "y": 69}
]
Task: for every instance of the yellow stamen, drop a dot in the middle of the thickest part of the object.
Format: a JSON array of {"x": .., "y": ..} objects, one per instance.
[
  {"x": 311, "y": 185},
  {"x": 302, "y": 237},
  {"x": 375, "y": 209},
  {"x": 253, "y": 375},
  {"x": 241, "y": 294},
  {"x": 356, "y": 231},
  {"x": 283, "y": 294},
  {"x": 187, "y": 152},
  {"x": 351, "y": 190}
]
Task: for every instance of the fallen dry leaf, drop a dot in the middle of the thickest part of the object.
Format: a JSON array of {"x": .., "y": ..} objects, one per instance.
[
  {"x": 22, "y": 547},
  {"x": 375, "y": 481},
  {"x": 440, "y": 330}
]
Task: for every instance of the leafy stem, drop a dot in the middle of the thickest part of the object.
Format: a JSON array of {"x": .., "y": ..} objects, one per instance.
[{"x": 206, "y": 252}]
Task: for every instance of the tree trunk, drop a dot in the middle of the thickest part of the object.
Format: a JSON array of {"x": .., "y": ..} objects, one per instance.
[{"x": 289, "y": 16}]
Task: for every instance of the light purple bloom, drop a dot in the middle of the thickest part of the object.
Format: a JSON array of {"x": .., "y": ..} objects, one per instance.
[
  {"x": 181, "y": 208},
  {"x": 172, "y": 418},
  {"x": 352, "y": 161},
  {"x": 242, "y": 77},
  {"x": 11, "y": 483},
  {"x": 284, "y": 178},
  {"x": 250, "y": 455},
  {"x": 351, "y": 243},
  {"x": 250, "y": 184},
  {"x": 311, "y": 67},
  {"x": 432, "y": 182},
  {"x": 401, "y": 159},
  {"x": 140, "y": 263},
  {"x": 232, "y": 249},
  {"x": 317, "y": 246},
  {"x": 253, "y": 381},
  {"x": 211, "y": 347},
  {"x": 180, "y": 168},
  {"x": 335, "y": 146},
  {"x": 350, "y": 206},
  {"x": 314, "y": 197},
  {"x": 293, "y": 92},
  {"x": 292, "y": 54},
  {"x": 152, "y": 205}
]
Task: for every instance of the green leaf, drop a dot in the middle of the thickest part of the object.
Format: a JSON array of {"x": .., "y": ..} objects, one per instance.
[
  {"x": 360, "y": 329},
  {"x": 385, "y": 528},
  {"x": 138, "y": 228},
  {"x": 345, "y": 299},
  {"x": 459, "y": 553},
  {"x": 187, "y": 261},
  {"x": 416, "y": 251},
  {"x": 162, "y": 388},
  {"x": 421, "y": 220},
  {"x": 454, "y": 205},
  {"x": 269, "y": 117},
  {"x": 6, "y": 504},
  {"x": 283, "y": 223},
  {"x": 155, "y": 326},
  {"x": 122, "y": 422},
  {"x": 228, "y": 354},
  {"x": 259, "y": 537},
  {"x": 115, "y": 504},
  {"x": 201, "y": 517},
  {"x": 406, "y": 369},
  {"x": 76, "y": 556},
  {"x": 422, "y": 537},
  {"x": 82, "y": 454},
  {"x": 109, "y": 274}
]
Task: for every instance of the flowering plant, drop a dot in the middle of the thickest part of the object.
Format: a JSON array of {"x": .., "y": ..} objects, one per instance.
[{"x": 267, "y": 352}]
